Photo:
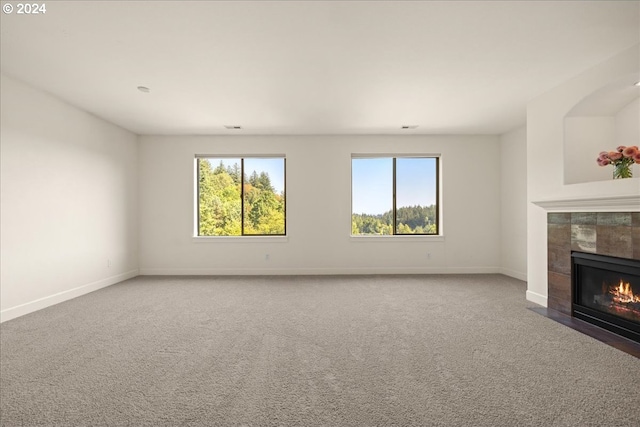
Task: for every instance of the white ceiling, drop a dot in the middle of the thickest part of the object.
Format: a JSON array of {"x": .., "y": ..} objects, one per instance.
[{"x": 312, "y": 67}]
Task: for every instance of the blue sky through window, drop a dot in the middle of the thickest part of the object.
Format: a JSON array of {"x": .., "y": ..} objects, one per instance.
[
  {"x": 372, "y": 183},
  {"x": 415, "y": 182}
]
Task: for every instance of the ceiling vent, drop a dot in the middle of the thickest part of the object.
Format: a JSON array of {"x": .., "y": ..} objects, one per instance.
[
  {"x": 233, "y": 127},
  {"x": 409, "y": 126}
]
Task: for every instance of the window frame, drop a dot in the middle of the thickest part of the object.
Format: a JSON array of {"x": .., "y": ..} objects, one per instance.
[
  {"x": 438, "y": 204},
  {"x": 242, "y": 158}
]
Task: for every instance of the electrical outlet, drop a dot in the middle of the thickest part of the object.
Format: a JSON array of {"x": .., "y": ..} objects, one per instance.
[
  {"x": 108, "y": 263},
  {"x": 428, "y": 255},
  {"x": 267, "y": 257}
]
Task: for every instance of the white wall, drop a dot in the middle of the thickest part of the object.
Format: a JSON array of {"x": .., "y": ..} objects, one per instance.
[
  {"x": 513, "y": 203},
  {"x": 68, "y": 189},
  {"x": 545, "y": 168},
  {"x": 584, "y": 139},
  {"x": 628, "y": 126},
  {"x": 318, "y": 208}
]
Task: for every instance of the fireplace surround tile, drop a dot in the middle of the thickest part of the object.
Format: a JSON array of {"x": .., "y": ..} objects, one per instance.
[
  {"x": 560, "y": 288},
  {"x": 584, "y": 218},
  {"x": 559, "y": 235},
  {"x": 635, "y": 241},
  {"x": 559, "y": 259},
  {"x": 614, "y": 241},
  {"x": 614, "y": 218},
  {"x": 583, "y": 238},
  {"x": 559, "y": 218},
  {"x": 605, "y": 233}
]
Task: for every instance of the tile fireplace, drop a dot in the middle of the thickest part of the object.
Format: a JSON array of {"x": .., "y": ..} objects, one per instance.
[{"x": 585, "y": 251}]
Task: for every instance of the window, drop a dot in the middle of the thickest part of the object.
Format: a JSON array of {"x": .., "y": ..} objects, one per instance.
[
  {"x": 394, "y": 195},
  {"x": 241, "y": 196}
]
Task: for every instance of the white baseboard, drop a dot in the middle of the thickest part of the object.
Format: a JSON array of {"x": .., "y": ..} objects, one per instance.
[
  {"x": 39, "y": 304},
  {"x": 314, "y": 271},
  {"x": 537, "y": 298},
  {"x": 515, "y": 274}
]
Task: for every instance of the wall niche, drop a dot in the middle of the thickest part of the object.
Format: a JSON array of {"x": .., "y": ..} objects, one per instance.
[{"x": 602, "y": 121}]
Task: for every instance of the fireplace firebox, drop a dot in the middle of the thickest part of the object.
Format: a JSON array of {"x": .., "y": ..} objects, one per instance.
[{"x": 606, "y": 292}]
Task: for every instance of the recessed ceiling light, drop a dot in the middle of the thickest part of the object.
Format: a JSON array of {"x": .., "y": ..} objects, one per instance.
[
  {"x": 409, "y": 126},
  {"x": 637, "y": 83},
  {"x": 233, "y": 127},
  {"x": 144, "y": 89}
]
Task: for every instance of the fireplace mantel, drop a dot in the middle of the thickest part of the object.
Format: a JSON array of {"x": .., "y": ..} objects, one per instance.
[{"x": 623, "y": 203}]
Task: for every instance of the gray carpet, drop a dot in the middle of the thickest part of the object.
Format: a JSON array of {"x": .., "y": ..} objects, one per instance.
[{"x": 310, "y": 351}]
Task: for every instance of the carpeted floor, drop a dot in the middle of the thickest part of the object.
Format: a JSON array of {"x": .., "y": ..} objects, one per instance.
[{"x": 310, "y": 351}]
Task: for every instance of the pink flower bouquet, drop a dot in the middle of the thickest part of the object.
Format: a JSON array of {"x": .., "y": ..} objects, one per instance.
[{"x": 621, "y": 159}]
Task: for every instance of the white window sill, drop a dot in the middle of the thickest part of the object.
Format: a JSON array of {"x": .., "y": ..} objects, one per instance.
[
  {"x": 390, "y": 238},
  {"x": 240, "y": 239}
]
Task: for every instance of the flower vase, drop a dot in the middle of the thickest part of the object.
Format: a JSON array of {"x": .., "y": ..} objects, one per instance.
[{"x": 622, "y": 170}]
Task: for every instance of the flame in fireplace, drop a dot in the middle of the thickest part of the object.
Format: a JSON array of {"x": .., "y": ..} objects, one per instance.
[{"x": 623, "y": 294}]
